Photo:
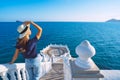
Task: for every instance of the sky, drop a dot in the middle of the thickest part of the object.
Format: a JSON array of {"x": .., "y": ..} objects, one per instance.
[{"x": 59, "y": 10}]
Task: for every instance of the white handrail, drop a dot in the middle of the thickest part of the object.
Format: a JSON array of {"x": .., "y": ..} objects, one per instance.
[{"x": 17, "y": 71}]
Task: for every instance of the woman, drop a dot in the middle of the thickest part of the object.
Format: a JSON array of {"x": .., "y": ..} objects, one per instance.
[{"x": 27, "y": 47}]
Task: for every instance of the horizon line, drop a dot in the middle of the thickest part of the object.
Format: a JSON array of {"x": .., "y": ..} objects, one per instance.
[{"x": 54, "y": 21}]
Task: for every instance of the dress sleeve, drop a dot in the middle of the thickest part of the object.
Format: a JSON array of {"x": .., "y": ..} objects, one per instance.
[
  {"x": 35, "y": 39},
  {"x": 17, "y": 46}
]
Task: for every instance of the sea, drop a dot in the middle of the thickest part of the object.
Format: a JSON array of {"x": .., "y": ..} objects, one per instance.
[{"x": 104, "y": 36}]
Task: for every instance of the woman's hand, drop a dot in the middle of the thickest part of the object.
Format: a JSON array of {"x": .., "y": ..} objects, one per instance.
[
  {"x": 10, "y": 62},
  {"x": 27, "y": 22}
]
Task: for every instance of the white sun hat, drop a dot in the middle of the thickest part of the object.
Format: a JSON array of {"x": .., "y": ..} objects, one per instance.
[{"x": 22, "y": 30}]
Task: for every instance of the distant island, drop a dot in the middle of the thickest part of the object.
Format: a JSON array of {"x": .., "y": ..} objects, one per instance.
[{"x": 113, "y": 20}]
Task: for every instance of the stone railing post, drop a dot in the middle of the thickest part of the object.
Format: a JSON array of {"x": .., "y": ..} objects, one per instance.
[
  {"x": 83, "y": 67},
  {"x": 67, "y": 69}
]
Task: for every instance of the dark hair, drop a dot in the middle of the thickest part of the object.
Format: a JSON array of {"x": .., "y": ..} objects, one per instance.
[{"x": 22, "y": 42}]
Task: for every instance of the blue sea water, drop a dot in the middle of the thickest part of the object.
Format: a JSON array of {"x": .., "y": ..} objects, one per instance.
[{"x": 105, "y": 37}]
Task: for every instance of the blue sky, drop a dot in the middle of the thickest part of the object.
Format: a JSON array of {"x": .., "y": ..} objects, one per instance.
[{"x": 59, "y": 10}]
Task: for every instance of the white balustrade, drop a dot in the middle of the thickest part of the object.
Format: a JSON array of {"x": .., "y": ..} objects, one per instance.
[
  {"x": 17, "y": 71},
  {"x": 81, "y": 68},
  {"x": 13, "y": 70}
]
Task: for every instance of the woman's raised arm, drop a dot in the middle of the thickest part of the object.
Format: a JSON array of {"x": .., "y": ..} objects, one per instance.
[{"x": 38, "y": 35}]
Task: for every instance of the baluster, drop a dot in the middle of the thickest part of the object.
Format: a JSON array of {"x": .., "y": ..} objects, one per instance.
[
  {"x": 12, "y": 75},
  {"x": 4, "y": 76},
  {"x": 18, "y": 75},
  {"x": 44, "y": 67},
  {"x": 23, "y": 74}
]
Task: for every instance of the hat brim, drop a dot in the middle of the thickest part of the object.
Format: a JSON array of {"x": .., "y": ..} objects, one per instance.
[{"x": 23, "y": 34}]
